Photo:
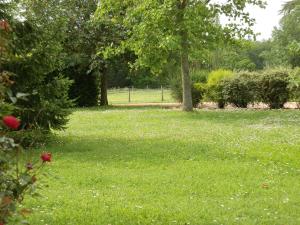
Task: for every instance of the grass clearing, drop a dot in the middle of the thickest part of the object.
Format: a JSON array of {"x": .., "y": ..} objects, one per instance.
[
  {"x": 128, "y": 166},
  {"x": 121, "y": 96}
]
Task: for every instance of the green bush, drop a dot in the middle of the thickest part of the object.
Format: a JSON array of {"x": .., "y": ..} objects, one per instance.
[
  {"x": 241, "y": 89},
  {"x": 294, "y": 86},
  {"x": 274, "y": 87},
  {"x": 30, "y": 138},
  {"x": 36, "y": 58},
  {"x": 199, "y": 76},
  {"x": 198, "y": 90},
  {"x": 215, "y": 86},
  {"x": 49, "y": 107},
  {"x": 245, "y": 64}
]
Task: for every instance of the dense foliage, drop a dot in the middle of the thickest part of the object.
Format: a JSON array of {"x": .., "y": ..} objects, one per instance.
[
  {"x": 215, "y": 86},
  {"x": 294, "y": 86},
  {"x": 34, "y": 57},
  {"x": 241, "y": 89},
  {"x": 85, "y": 86},
  {"x": 274, "y": 89}
]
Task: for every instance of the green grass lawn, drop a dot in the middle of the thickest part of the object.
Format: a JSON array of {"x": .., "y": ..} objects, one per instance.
[
  {"x": 121, "y": 96},
  {"x": 123, "y": 166}
]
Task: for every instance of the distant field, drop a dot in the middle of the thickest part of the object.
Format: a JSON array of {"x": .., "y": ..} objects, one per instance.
[{"x": 121, "y": 96}]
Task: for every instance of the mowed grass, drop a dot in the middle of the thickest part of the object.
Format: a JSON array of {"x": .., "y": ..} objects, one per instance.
[
  {"x": 121, "y": 96},
  {"x": 123, "y": 166}
]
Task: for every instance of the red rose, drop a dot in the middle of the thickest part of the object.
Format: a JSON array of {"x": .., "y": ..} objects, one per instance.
[
  {"x": 46, "y": 157},
  {"x": 11, "y": 122}
]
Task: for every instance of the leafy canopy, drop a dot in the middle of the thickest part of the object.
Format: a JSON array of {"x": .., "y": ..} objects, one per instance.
[{"x": 154, "y": 31}]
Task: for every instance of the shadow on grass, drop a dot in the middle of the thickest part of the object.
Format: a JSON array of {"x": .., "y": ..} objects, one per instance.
[
  {"x": 145, "y": 152},
  {"x": 152, "y": 152},
  {"x": 116, "y": 150}
]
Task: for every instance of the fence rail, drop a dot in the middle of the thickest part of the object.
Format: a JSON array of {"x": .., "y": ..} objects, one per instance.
[{"x": 134, "y": 95}]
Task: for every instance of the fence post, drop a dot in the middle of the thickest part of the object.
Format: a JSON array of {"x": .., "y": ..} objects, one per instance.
[
  {"x": 162, "y": 93},
  {"x": 129, "y": 97}
]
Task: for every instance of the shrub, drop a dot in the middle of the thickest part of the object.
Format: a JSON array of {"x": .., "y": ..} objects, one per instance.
[
  {"x": 18, "y": 178},
  {"x": 47, "y": 108},
  {"x": 245, "y": 64},
  {"x": 215, "y": 86},
  {"x": 30, "y": 137},
  {"x": 199, "y": 76},
  {"x": 294, "y": 86},
  {"x": 274, "y": 87},
  {"x": 241, "y": 89},
  {"x": 35, "y": 57},
  {"x": 198, "y": 90}
]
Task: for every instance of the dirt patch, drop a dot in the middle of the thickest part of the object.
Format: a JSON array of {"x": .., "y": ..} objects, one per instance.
[
  {"x": 213, "y": 105},
  {"x": 163, "y": 105}
]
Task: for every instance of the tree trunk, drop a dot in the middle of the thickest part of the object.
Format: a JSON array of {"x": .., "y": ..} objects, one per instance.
[
  {"x": 103, "y": 88},
  {"x": 187, "y": 104}
]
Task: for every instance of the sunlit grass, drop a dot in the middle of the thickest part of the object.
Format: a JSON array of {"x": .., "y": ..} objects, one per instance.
[
  {"x": 121, "y": 96},
  {"x": 152, "y": 166}
]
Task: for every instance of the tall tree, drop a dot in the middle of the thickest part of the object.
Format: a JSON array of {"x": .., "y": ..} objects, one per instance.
[
  {"x": 37, "y": 29},
  {"x": 186, "y": 28},
  {"x": 79, "y": 46},
  {"x": 285, "y": 43},
  {"x": 290, "y": 6},
  {"x": 244, "y": 55},
  {"x": 84, "y": 61}
]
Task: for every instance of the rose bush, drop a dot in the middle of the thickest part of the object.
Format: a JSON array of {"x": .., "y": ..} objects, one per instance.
[{"x": 18, "y": 178}]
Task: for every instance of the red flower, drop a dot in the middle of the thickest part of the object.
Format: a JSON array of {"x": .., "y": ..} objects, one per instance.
[
  {"x": 1, "y": 223},
  {"x": 46, "y": 157},
  {"x": 11, "y": 122}
]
